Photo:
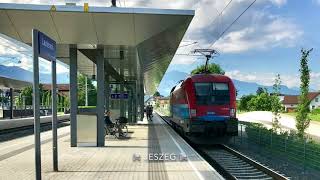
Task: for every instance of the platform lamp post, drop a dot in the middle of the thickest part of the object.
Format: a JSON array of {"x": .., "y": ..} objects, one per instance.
[
  {"x": 24, "y": 104},
  {"x": 44, "y": 47}
]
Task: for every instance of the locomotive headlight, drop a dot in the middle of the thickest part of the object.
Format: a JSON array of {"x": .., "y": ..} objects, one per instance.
[
  {"x": 193, "y": 112},
  {"x": 232, "y": 112}
]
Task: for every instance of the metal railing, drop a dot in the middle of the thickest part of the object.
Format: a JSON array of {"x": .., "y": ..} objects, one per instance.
[{"x": 303, "y": 153}]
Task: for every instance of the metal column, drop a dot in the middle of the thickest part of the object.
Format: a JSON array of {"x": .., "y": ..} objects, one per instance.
[
  {"x": 122, "y": 108},
  {"x": 36, "y": 103},
  {"x": 100, "y": 99},
  {"x": 130, "y": 104},
  {"x": 73, "y": 95},
  {"x": 11, "y": 103},
  {"x": 107, "y": 91},
  {"x": 141, "y": 89},
  {"x": 54, "y": 116},
  {"x": 86, "y": 91},
  {"x": 135, "y": 103}
]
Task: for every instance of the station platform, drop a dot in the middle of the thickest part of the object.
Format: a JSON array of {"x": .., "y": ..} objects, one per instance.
[{"x": 130, "y": 158}]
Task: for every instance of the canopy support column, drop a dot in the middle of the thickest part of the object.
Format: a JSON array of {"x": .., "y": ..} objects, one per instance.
[
  {"x": 73, "y": 95},
  {"x": 11, "y": 103},
  {"x": 100, "y": 98}
]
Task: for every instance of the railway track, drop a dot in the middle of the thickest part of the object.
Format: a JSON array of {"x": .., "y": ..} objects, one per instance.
[
  {"x": 232, "y": 164},
  {"x": 30, "y": 127}
]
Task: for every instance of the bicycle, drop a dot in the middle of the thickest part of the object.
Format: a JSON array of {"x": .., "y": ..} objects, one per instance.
[{"x": 118, "y": 129}]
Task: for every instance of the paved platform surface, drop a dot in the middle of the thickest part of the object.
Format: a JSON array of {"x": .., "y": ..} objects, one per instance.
[{"x": 115, "y": 161}]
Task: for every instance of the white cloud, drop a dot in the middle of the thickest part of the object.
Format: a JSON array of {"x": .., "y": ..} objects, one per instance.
[
  {"x": 263, "y": 79},
  {"x": 15, "y": 53},
  {"x": 279, "y": 2},
  {"x": 279, "y": 32},
  {"x": 258, "y": 28},
  {"x": 315, "y": 79},
  {"x": 183, "y": 60}
]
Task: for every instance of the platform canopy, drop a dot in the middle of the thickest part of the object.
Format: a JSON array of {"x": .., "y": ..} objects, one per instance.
[
  {"x": 13, "y": 83},
  {"x": 151, "y": 36}
]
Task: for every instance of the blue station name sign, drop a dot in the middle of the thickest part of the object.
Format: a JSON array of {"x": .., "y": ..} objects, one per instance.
[
  {"x": 47, "y": 47},
  {"x": 119, "y": 96}
]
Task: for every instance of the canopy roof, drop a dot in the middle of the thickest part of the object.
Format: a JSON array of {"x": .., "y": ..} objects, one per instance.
[
  {"x": 13, "y": 83},
  {"x": 154, "y": 34}
]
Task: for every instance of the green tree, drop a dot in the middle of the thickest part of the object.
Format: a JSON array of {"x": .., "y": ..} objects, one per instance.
[
  {"x": 27, "y": 94},
  {"x": 41, "y": 91},
  {"x": 66, "y": 102},
  {"x": 243, "y": 104},
  {"x": 156, "y": 94},
  {"x": 261, "y": 90},
  {"x": 157, "y": 104},
  {"x": 48, "y": 99},
  {"x": 262, "y": 102},
  {"x": 276, "y": 104},
  {"x": 302, "y": 117},
  {"x": 212, "y": 68},
  {"x": 92, "y": 91}
]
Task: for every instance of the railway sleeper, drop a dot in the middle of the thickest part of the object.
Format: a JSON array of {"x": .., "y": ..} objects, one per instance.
[
  {"x": 228, "y": 158},
  {"x": 239, "y": 162},
  {"x": 240, "y": 169},
  {"x": 237, "y": 166},
  {"x": 257, "y": 173},
  {"x": 248, "y": 171},
  {"x": 251, "y": 177},
  {"x": 269, "y": 178}
]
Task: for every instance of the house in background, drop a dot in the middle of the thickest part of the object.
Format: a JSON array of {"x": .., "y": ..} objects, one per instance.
[
  {"x": 63, "y": 89},
  {"x": 164, "y": 102},
  {"x": 290, "y": 102}
]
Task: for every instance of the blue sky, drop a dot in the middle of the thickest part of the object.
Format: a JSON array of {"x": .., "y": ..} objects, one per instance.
[{"x": 265, "y": 41}]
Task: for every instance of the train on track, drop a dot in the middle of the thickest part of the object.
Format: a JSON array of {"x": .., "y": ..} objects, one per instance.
[{"x": 204, "y": 104}]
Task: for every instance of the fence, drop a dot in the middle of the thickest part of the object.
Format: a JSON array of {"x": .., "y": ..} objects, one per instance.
[{"x": 304, "y": 153}]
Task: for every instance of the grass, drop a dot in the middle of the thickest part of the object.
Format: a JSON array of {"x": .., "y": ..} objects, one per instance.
[
  {"x": 60, "y": 113},
  {"x": 241, "y": 112},
  {"x": 87, "y": 107},
  {"x": 313, "y": 116}
]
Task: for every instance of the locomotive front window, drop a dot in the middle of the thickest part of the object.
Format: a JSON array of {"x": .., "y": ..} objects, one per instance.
[
  {"x": 212, "y": 93},
  {"x": 203, "y": 89}
]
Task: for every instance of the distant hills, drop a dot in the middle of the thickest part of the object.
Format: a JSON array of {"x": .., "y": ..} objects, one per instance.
[
  {"x": 171, "y": 78},
  {"x": 245, "y": 88},
  {"x": 17, "y": 73}
]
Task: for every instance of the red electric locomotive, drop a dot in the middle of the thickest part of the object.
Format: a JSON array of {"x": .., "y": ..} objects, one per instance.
[{"x": 204, "y": 104}]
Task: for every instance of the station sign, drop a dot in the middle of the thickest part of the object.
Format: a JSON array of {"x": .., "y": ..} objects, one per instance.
[
  {"x": 119, "y": 96},
  {"x": 47, "y": 47}
]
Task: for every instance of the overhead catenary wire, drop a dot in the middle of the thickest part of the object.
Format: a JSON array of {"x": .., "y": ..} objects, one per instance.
[
  {"x": 188, "y": 55},
  {"x": 232, "y": 24},
  {"x": 221, "y": 11}
]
